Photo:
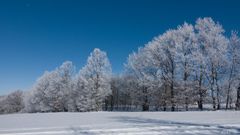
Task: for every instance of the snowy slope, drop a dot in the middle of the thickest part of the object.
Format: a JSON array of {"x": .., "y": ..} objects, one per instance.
[{"x": 141, "y": 123}]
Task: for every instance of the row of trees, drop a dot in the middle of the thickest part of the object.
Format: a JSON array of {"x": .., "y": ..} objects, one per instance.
[
  {"x": 192, "y": 65},
  {"x": 61, "y": 90},
  {"x": 12, "y": 103}
]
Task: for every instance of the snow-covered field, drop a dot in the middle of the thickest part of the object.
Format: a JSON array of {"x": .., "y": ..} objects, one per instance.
[{"x": 121, "y": 123}]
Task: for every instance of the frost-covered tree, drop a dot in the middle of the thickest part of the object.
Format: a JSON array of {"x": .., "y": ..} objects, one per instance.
[
  {"x": 164, "y": 52},
  {"x": 233, "y": 67},
  {"x": 81, "y": 93},
  {"x": 35, "y": 97},
  {"x": 214, "y": 43},
  {"x": 12, "y": 103},
  {"x": 65, "y": 75},
  {"x": 45, "y": 96},
  {"x": 199, "y": 74},
  {"x": 138, "y": 67},
  {"x": 185, "y": 48},
  {"x": 52, "y": 91},
  {"x": 156, "y": 65},
  {"x": 97, "y": 76}
]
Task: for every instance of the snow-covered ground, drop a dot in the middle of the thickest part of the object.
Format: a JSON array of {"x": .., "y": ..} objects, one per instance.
[{"x": 121, "y": 123}]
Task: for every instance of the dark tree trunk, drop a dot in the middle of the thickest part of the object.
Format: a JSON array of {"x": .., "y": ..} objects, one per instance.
[
  {"x": 172, "y": 101},
  {"x": 165, "y": 98},
  {"x": 230, "y": 102},
  {"x": 200, "y": 105},
  {"x": 213, "y": 91},
  {"x": 186, "y": 104},
  {"x": 218, "y": 93},
  {"x": 186, "y": 92},
  {"x": 106, "y": 104},
  {"x": 200, "y": 92},
  {"x": 228, "y": 96},
  {"x": 164, "y": 108},
  {"x": 145, "y": 107},
  {"x": 172, "y": 95},
  {"x": 238, "y": 99}
]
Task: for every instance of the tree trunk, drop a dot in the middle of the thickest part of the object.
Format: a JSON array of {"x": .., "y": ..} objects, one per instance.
[
  {"x": 228, "y": 96},
  {"x": 229, "y": 83},
  {"x": 172, "y": 99},
  {"x": 200, "y": 91},
  {"x": 164, "y": 106},
  {"x": 186, "y": 92},
  {"x": 218, "y": 94},
  {"x": 238, "y": 99},
  {"x": 186, "y": 103},
  {"x": 230, "y": 102},
  {"x": 106, "y": 105},
  {"x": 212, "y": 89},
  {"x": 145, "y": 106},
  {"x": 112, "y": 102},
  {"x": 172, "y": 92},
  {"x": 200, "y": 101},
  {"x": 165, "y": 98},
  {"x": 200, "y": 106}
]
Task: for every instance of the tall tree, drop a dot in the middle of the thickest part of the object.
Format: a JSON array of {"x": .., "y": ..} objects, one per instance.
[
  {"x": 65, "y": 78},
  {"x": 82, "y": 93},
  {"x": 214, "y": 44},
  {"x": 97, "y": 74},
  {"x": 186, "y": 44},
  {"x": 139, "y": 66},
  {"x": 233, "y": 68},
  {"x": 165, "y": 46}
]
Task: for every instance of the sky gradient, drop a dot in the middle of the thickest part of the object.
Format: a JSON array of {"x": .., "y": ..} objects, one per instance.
[{"x": 39, "y": 35}]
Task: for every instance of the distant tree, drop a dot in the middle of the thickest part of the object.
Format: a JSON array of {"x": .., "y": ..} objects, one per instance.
[
  {"x": 65, "y": 75},
  {"x": 97, "y": 75},
  {"x": 82, "y": 93},
  {"x": 52, "y": 91},
  {"x": 12, "y": 102}
]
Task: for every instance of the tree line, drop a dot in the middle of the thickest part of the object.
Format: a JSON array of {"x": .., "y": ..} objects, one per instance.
[{"x": 190, "y": 67}]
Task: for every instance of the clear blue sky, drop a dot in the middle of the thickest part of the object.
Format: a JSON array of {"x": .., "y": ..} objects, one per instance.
[{"x": 38, "y": 35}]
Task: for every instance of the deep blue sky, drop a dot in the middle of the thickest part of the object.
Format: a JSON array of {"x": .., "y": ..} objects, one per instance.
[{"x": 38, "y": 35}]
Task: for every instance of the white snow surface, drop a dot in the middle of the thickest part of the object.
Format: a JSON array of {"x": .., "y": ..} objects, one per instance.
[{"x": 122, "y": 123}]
